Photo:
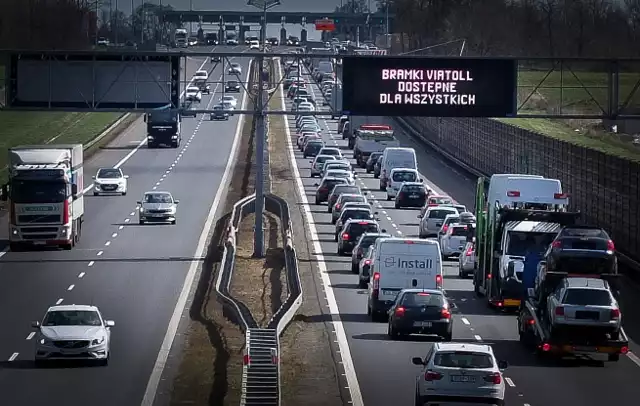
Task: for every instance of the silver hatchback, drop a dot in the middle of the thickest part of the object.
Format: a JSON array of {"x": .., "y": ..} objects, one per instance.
[
  {"x": 431, "y": 222},
  {"x": 157, "y": 207}
]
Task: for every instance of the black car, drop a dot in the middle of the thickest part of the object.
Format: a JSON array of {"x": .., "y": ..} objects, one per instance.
[
  {"x": 215, "y": 59},
  {"x": 353, "y": 213},
  {"x": 377, "y": 167},
  {"x": 219, "y": 113},
  {"x": 371, "y": 161},
  {"x": 232, "y": 86},
  {"x": 325, "y": 188},
  {"x": 411, "y": 194},
  {"x": 420, "y": 311},
  {"x": 352, "y": 231},
  {"x": 585, "y": 248},
  {"x": 337, "y": 191},
  {"x": 273, "y": 41},
  {"x": 312, "y": 149},
  {"x": 366, "y": 240}
]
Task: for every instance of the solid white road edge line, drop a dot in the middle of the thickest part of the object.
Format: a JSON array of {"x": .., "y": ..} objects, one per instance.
[
  {"x": 172, "y": 329},
  {"x": 341, "y": 336},
  {"x": 144, "y": 140}
]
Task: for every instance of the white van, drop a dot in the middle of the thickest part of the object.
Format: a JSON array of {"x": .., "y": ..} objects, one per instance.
[
  {"x": 498, "y": 186},
  {"x": 396, "y": 157},
  {"x": 401, "y": 263},
  {"x": 397, "y": 177}
]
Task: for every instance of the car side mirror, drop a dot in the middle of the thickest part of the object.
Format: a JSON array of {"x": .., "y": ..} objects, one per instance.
[
  {"x": 316, "y": 185},
  {"x": 419, "y": 216},
  {"x": 384, "y": 230},
  {"x": 109, "y": 323},
  {"x": 93, "y": 177},
  {"x": 310, "y": 162},
  {"x": 126, "y": 176},
  {"x": 421, "y": 180},
  {"x": 375, "y": 212},
  {"x": 502, "y": 364},
  {"x": 35, "y": 324},
  {"x": 176, "y": 201},
  {"x": 417, "y": 361},
  {"x": 139, "y": 202}
]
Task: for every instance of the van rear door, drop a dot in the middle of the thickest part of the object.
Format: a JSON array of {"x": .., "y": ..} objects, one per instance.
[{"x": 407, "y": 264}]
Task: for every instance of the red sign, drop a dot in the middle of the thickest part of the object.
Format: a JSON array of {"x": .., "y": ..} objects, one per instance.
[{"x": 325, "y": 25}]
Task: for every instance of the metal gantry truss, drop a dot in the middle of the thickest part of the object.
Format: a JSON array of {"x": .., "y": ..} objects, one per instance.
[{"x": 563, "y": 88}]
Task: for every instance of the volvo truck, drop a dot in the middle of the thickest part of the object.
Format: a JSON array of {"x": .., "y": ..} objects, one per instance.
[{"x": 45, "y": 196}]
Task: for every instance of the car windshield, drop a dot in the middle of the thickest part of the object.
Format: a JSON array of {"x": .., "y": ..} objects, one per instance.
[
  {"x": 357, "y": 229},
  {"x": 72, "y": 318},
  {"x": 109, "y": 173},
  {"x": 313, "y": 146},
  {"x": 323, "y": 159},
  {"x": 422, "y": 299},
  {"x": 330, "y": 183},
  {"x": 438, "y": 214},
  {"x": 463, "y": 359},
  {"x": 158, "y": 198},
  {"x": 232, "y": 83},
  {"x": 228, "y": 98},
  {"x": 404, "y": 176},
  {"x": 351, "y": 199},
  {"x": 459, "y": 231},
  {"x": 584, "y": 233},
  {"x": 338, "y": 174},
  {"x": 337, "y": 167},
  {"x": 374, "y": 157},
  {"x": 201, "y": 74},
  {"x": 587, "y": 297},
  {"x": 346, "y": 189},
  {"x": 440, "y": 200},
  {"x": 522, "y": 243},
  {"x": 331, "y": 151},
  {"x": 414, "y": 189},
  {"x": 356, "y": 214}
]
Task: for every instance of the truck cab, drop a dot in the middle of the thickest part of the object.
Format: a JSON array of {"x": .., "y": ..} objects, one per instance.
[
  {"x": 46, "y": 202},
  {"x": 163, "y": 128}
]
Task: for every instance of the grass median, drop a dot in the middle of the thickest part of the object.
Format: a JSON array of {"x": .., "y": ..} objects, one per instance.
[{"x": 575, "y": 91}]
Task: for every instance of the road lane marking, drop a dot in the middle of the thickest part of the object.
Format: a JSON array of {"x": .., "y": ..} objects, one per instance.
[
  {"x": 31, "y": 334},
  {"x": 465, "y": 321},
  {"x": 81, "y": 275},
  {"x": 100, "y": 253},
  {"x": 71, "y": 287},
  {"x": 59, "y": 301},
  {"x": 106, "y": 244},
  {"x": 114, "y": 235},
  {"x": 121, "y": 228},
  {"x": 13, "y": 356},
  {"x": 91, "y": 263},
  {"x": 477, "y": 337},
  {"x": 127, "y": 220},
  {"x": 174, "y": 322},
  {"x": 332, "y": 304},
  {"x": 509, "y": 382},
  {"x": 634, "y": 358}
]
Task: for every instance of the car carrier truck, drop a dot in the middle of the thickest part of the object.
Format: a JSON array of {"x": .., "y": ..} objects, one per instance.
[
  {"x": 518, "y": 216},
  {"x": 46, "y": 200}
]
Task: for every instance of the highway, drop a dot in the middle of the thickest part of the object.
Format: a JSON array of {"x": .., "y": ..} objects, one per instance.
[
  {"x": 134, "y": 274},
  {"x": 385, "y": 375}
]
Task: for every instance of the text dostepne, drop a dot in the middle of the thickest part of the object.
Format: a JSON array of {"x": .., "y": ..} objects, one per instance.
[{"x": 443, "y": 99}]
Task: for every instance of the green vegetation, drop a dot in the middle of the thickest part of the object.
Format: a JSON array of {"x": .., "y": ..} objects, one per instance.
[
  {"x": 576, "y": 92},
  {"x": 28, "y": 128}
]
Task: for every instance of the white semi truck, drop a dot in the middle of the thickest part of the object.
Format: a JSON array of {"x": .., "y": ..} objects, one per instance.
[
  {"x": 46, "y": 203},
  {"x": 181, "y": 38}
]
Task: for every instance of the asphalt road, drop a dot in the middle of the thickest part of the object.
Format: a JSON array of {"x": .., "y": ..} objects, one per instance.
[
  {"x": 383, "y": 367},
  {"x": 133, "y": 273}
]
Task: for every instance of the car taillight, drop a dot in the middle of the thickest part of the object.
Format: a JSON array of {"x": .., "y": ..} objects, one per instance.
[
  {"x": 513, "y": 193},
  {"x": 376, "y": 285},
  {"x": 615, "y": 314},
  {"x": 367, "y": 262},
  {"x": 559, "y": 311},
  {"x": 560, "y": 196},
  {"x": 323, "y": 190},
  {"x": 445, "y": 313},
  {"x": 432, "y": 204},
  {"x": 432, "y": 376},
  {"x": 439, "y": 281},
  {"x": 345, "y": 236},
  {"x": 556, "y": 244},
  {"x": 400, "y": 311},
  {"x": 494, "y": 378},
  {"x": 445, "y": 228},
  {"x": 65, "y": 212},
  {"x": 611, "y": 246},
  {"x": 401, "y": 195},
  {"x": 337, "y": 206},
  {"x": 469, "y": 252}
]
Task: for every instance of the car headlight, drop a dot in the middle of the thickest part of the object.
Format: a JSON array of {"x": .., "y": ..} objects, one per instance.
[
  {"x": 97, "y": 341},
  {"x": 172, "y": 210},
  {"x": 46, "y": 341}
]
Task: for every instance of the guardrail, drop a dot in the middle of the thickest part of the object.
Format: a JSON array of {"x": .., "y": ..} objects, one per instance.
[
  {"x": 261, "y": 363},
  {"x": 407, "y": 124}
]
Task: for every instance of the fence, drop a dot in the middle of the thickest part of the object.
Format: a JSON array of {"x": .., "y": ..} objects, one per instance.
[
  {"x": 261, "y": 370},
  {"x": 605, "y": 188}
]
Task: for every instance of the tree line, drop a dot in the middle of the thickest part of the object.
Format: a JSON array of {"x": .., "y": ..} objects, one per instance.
[{"x": 547, "y": 28}]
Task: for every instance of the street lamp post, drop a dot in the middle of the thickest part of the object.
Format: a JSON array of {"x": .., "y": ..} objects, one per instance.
[{"x": 261, "y": 134}]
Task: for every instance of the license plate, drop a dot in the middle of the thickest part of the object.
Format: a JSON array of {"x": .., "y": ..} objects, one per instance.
[
  {"x": 463, "y": 378},
  {"x": 422, "y": 324},
  {"x": 157, "y": 215},
  {"x": 413, "y": 196},
  {"x": 39, "y": 242},
  {"x": 389, "y": 292},
  {"x": 582, "y": 348},
  {"x": 511, "y": 302}
]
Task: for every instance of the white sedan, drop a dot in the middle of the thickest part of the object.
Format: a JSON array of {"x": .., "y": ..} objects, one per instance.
[
  {"x": 254, "y": 45},
  {"x": 230, "y": 100},
  {"x": 73, "y": 332},
  {"x": 193, "y": 94},
  {"x": 110, "y": 180}
]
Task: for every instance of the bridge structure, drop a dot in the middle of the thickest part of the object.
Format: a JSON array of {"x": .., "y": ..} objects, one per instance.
[{"x": 344, "y": 22}]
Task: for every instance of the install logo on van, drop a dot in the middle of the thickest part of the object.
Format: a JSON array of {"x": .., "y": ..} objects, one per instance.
[{"x": 404, "y": 263}]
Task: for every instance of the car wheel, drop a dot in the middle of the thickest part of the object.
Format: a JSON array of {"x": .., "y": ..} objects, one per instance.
[
  {"x": 614, "y": 357},
  {"x": 375, "y": 175},
  {"x": 335, "y": 237},
  {"x": 354, "y": 268},
  {"x": 96, "y": 193},
  {"x": 447, "y": 337},
  {"x": 173, "y": 222},
  {"x": 175, "y": 144},
  {"x": 124, "y": 193},
  {"x": 141, "y": 222},
  {"x": 328, "y": 209},
  {"x": 339, "y": 251},
  {"x": 388, "y": 198},
  {"x": 397, "y": 206},
  {"x": 392, "y": 333},
  {"x": 362, "y": 284},
  {"x": 317, "y": 201},
  {"x": 383, "y": 188},
  {"x": 368, "y": 170}
]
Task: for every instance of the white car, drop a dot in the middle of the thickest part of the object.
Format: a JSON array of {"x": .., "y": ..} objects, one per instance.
[
  {"x": 193, "y": 94},
  {"x": 110, "y": 180},
  {"x": 157, "y": 207},
  {"x": 453, "y": 241},
  {"x": 201, "y": 74},
  {"x": 73, "y": 332},
  {"x": 235, "y": 69},
  {"x": 452, "y": 372},
  {"x": 341, "y": 173},
  {"x": 466, "y": 261},
  {"x": 230, "y": 100},
  {"x": 232, "y": 42},
  {"x": 254, "y": 45},
  {"x": 397, "y": 177}
]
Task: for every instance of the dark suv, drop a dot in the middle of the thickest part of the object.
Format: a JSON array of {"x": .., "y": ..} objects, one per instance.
[
  {"x": 585, "y": 248},
  {"x": 325, "y": 188},
  {"x": 337, "y": 191},
  {"x": 352, "y": 231},
  {"x": 232, "y": 86}
]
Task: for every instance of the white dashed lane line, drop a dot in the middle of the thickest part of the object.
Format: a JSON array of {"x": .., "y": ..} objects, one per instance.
[
  {"x": 477, "y": 337},
  {"x": 509, "y": 382},
  {"x": 31, "y": 334}
]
